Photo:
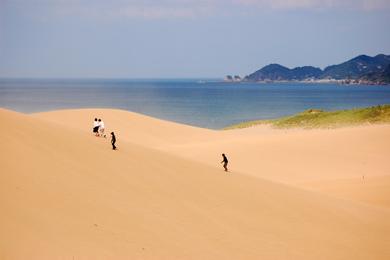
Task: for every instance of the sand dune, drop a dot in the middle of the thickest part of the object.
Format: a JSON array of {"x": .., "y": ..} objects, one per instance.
[
  {"x": 290, "y": 156},
  {"x": 136, "y": 128},
  {"x": 304, "y": 155},
  {"x": 294, "y": 157},
  {"x": 373, "y": 190},
  {"x": 65, "y": 194}
]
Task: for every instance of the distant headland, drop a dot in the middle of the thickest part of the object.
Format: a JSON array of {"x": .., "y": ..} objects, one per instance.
[{"x": 362, "y": 69}]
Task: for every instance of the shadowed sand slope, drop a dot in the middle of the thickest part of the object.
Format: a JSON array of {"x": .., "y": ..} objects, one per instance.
[{"x": 65, "y": 194}]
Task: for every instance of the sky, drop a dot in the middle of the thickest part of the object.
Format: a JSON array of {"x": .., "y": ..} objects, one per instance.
[{"x": 184, "y": 38}]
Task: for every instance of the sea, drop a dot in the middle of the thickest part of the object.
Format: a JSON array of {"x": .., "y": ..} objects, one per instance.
[{"x": 206, "y": 103}]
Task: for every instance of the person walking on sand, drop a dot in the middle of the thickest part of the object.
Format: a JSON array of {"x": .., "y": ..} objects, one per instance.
[
  {"x": 96, "y": 127},
  {"x": 225, "y": 162},
  {"x": 101, "y": 128},
  {"x": 113, "y": 141}
]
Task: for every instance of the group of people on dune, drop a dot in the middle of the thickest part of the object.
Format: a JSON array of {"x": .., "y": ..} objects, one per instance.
[{"x": 98, "y": 130}]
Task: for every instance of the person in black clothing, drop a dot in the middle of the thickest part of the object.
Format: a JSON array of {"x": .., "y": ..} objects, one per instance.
[
  {"x": 225, "y": 162},
  {"x": 113, "y": 140}
]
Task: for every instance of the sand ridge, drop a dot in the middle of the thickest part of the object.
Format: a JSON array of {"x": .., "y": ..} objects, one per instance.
[
  {"x": 294, "y": 157},
  {"x": 66, "y": 194}
]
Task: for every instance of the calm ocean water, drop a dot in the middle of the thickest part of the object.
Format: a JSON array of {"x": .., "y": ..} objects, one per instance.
[{"x": 209, "y": 104}]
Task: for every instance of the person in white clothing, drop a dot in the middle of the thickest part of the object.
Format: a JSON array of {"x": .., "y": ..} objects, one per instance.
[
  {"x": 101, "y": 128},
  {"x": 96, "y": 127}
]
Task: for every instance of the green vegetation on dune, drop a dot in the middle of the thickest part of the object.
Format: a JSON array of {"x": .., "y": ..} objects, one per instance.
[{"x": 315, "y": 118}]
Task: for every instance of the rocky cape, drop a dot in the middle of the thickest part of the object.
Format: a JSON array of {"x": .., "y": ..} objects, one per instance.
[{"x": 362, "y": 69}]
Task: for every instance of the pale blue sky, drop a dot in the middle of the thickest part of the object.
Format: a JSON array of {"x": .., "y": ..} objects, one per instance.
[{"x": 187, "y": 38}]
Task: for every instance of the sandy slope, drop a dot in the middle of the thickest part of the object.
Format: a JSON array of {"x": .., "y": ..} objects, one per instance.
[
  {"x": 298, "y": 157},
  {"x": 373, "y": 190},
  {"x": 290, "y": 156},
  {"x": 144, "y": 130},
  {"x": 65, "y": 195}
]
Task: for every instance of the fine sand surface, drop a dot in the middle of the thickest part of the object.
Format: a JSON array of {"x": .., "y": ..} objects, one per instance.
[
  {"x": 64, "y": 194},
  {"x": 353, "y": 156}
]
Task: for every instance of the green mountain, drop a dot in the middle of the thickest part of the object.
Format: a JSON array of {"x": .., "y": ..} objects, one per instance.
[
  {"x": 357, "y": 67},
  {"x": 274, "y": 72},
  {"x": 361, "y": 68},
  {"x": 377, "y": 77}
]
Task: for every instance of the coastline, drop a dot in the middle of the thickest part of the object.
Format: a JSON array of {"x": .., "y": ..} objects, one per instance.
[
  {"x": 361, "y": 70},
  {"x": 348, "y": 82}
]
